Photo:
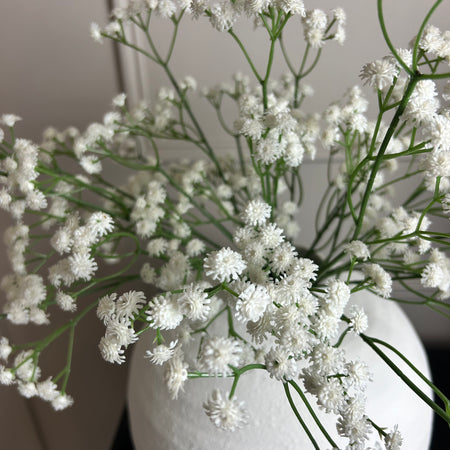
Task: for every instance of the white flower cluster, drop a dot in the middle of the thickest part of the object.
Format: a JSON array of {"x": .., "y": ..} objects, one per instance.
[
  {"x": 25, "y": 374},
  {"x": 118, "y": 314},
  {"x": 19, "y": 179},
  {"x": 268, "y": 294}
]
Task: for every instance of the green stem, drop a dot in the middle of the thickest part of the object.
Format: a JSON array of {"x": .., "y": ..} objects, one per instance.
[{"x": 299, "y": 418}]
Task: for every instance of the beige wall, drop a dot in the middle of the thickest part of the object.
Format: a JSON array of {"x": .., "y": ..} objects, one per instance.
[{"x": 52, "y": 73}]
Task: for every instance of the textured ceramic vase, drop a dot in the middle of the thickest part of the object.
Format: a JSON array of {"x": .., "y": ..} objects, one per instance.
[{"x": 159, "y": 423}]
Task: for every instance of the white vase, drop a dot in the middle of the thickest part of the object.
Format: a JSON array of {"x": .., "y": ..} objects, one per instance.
[{"x": 159, "y": 423}]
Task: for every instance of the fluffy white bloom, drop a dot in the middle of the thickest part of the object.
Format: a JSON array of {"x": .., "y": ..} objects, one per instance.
[
  {"x": 271, "y": 235},
  {"x": 106, "y": 308},
  {"x": 91, "y": 164},
  {"x": 119, "y": 100},
  {"x": 9, "y": 119},
  {"x": 96, "y": 33},
  {"x": 111, "y": 351},
  {"x": 65, "y": 301},
  {"x": 280, "y": 364},
  {"x": 330, "y": 395},
  {"x": 194, "y": 303},
  {"x": 223, "y": 16},
  {"x": 379, "y": 73},
  {"x": 82, "y": 265},
  {"x": 195, "y": 247},
  {"x": 175, "y": 374},
  {"x": 164, "y": 312},
  {"x": 393, "y": 440},
  {"x": 218, "y": 353},
  {"x": 6, "y": 376},
  {"x": 129, "y": 304},
  {"x": 382, "y": 280},
  {"x": 161, "y": 353},
  {"x": 62, "y": 401},
  {"x": 148, "y": 274},
  {"x": 5, "y": 348},
  {"x": 47, "y": 390},
  {"x": 256, "y": 213},
  {"x": 224, "y": 265},
  {"x": 100, "y": 223},
  {"x": 225, "y": 413},
  {"x": 357, "y": 249},
  {"x": 358, "y": 319},
  {"x": 252, "y": 303}
]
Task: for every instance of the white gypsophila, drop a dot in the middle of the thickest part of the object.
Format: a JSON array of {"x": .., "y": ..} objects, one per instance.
[
  {"x": 423, "y": 102},
  {"x": 330, "y": 395},
  {"x": 111, "y": 351},
  {"x": 106, "y": 308},
  {"x": 62, "y": 240},
  {"x": 327, "y": 359},
  {"x": 157, "y": 246},
  {"x": 379, "y": 73},
  {"x": 194, "y": 303},
  {"x": 129, "y": 304},
  {"x": 381, "y": 279},
  {"x": 224, "y": 265},
  {"x": 100, "y": 223},
  {"x": 47, "y": 390},
  {"x": 82, "y": 265},
  {"x": 119, "y": 100},
  {"x": 9, "y": 119},
  {"x": 195, "y": 247},
  {"x": 252, "y": 303},
  {"x": 5, "y": 348},
  {"x": 175, "y": 374},
  {"x": 256, "y": 213},
  {"x": 91, "y": 164},
  {"x": 96, "y": 33},
  {"x": 225, "y": 413},
  {"x": 358, "y": 375},
  {"x": 223, "y": 16},
  {"x": 164, "y": 312},
  {"x": 357, "y": 249},
  {"x": 65, "y": 301},
  {"x": 439, "y": 131},
  {"x": 27, "y": 389},
  {"x": 62, "y": 401},
  {"x": 326, "y": 324},
  {"x": 393, "y": 440},
  {"x": 280, "y": 364},
  {"x": 358, "y": 319},
  {"x": 271, "y": 235},
  {"x": 283, "y": 257},
  {"x": 83, "y": 238},
  {"x": 148, "y": 274},
  {"x": 161, "y": 353},
  {"x": 6, "y": 376},
  {"x": 218, "y": 353},
  {"x": 120, "y": 333},
  {"x": 174, "y": 273},
  {"x": 337, "y": 296}
]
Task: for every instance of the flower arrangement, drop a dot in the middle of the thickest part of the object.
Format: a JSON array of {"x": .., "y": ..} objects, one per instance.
[{"x": 283, "y": 309}]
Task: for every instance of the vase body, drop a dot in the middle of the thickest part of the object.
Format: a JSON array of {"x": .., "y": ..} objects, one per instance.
[{"x": 159, "y": 423}]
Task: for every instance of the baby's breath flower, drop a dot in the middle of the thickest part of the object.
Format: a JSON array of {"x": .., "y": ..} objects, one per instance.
[
  {"x": 218, "y": 353},
  {"x": 379, "y": 73},
  {"x": 256, "y": 213},
  {"x": 164, "y": 312},
  {"x": 225, "y": 413},
  {"x": 175, "y": 374},
  {"x": 224, "y": 265},
  {"x": 161, "y": 353}
]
